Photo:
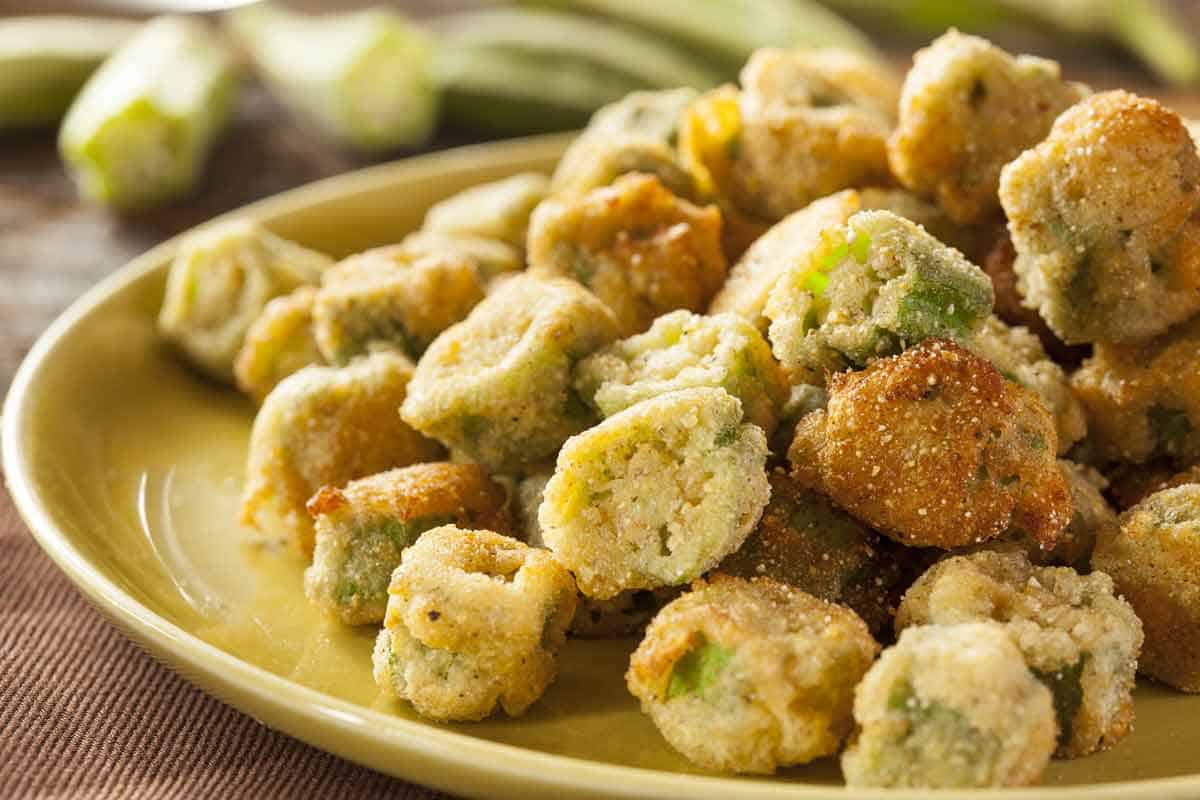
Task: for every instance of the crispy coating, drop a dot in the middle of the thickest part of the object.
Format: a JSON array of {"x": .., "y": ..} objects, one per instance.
[
  {"x": 496, "y": 210},
  {"x": 324, "y": 426},
  {"x": 682, "y": 350},
  {"x": 1076, "y": 636},
  {"x": 1144, "y": 399},
  {"x": 363, "y": 527},
  {"x": 492, "y": 257},
  {"x": 641, "y": 249},
  {"x": 657, "y": 494},
  {"x": 1019, "y": 356},
  {"x": 279, "y": 342},
  {"x": 950, "y": 706},
  {"x": 634, "y": 134},
  {"x": 1104, "y": 219},
  {"x": 386, "y": 296},
  {"x": 812, "y": 122},
  {"x": 869, "y": 289},
  {"x": 804, "y": 540},
  {"x": 220, "y": 281},
  {"x": 1130, "y": 484},
  {"x": 1155, "y": 563},
  {"x": 935, "y": 448},
  {"x": 497, "y": 386},
  {"x": 750, "y": 675},
  {"x": 474, "y": 624},
  {"x": 968, "y": 108}
]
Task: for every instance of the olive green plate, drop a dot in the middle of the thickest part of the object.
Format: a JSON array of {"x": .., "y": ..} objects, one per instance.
[{"x": 127, "y": 468}]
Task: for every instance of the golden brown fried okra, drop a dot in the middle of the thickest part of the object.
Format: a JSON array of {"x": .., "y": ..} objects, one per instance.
[
  {"x": 1155, "y": 563},
  {"x": 497, "y": 210},
  {"x": 326, "y": 426},
  {"x": 751, "y": 675},
  {"x": 363, "y": 527},
  {"x": 968, "y": 108},
  {"x": 492, "y": 257},
  {"x": 682, "y": 350},
  {"x": 1144, "y": 398},
  {"x": 221, "y": 280},
  {"x": 950, "y": 706},
  {"x": 805, "y": 541},
  {"x": 657, "y": 494},
  {"x": 474, "y": 624},
  {"x": 1077, "y": 637},
  {"x": 1104, "y": 219},
  {"x": 279, "y": 342},
  {"x": 497, "y": 386},
  {"x": 640, "y": 248},
  {"x": 1130, "y": 484},
  {"x": 934, "y": 447},
  {"x": 385, "y": 296}
]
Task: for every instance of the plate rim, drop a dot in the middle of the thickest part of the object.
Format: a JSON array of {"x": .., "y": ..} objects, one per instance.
[{"x": 454, "y": 761}]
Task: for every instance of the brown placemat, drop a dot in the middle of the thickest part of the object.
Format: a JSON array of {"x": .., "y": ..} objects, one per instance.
[{"x": 85, "y": 713}]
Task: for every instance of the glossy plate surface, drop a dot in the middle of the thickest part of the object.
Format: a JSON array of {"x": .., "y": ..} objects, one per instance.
[{"x": 127, "y": 468}]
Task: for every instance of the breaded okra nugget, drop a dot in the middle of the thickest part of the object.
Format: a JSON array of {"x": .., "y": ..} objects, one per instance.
[
  {"x": 657, "y": 494},
  {"x": 1077, "y": 637},
  {"x": 950, "y": 706},
  {"x": 491, "y": 257},
  {"x": 682, "y": 350},
  {"x": 640, "y": 248},
  {"x": 385, "y": 296},
  {"x": 474, "y": 624},
  {"x": 363, "y": 527},
  {"x": 804, "y": 540},
  {"x": 869, "y": 289},
  {"x": 1103, "y": 216},
  {"x": 497, "y": 210},
  {"x": 751, "y": 675},
  {"x": 1155, "y": 563},
  {"x": 1019, "y": 356},
  {"x": 812, "y": 122},
  {"x": 326, "y": 426},
  {"x": 279, "y": 342},
  {"x": 635, "y": 134},
  {"x": 934, "y": 447},
  {"x": 1144, "y": 398},
  {"x": 219, "y": 283},
  {"x": 968, "y": 108},
  {"x": 497, "y": 386}
]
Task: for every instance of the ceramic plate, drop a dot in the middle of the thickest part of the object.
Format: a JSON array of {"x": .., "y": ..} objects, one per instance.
[{"x": 127, "y": 468}]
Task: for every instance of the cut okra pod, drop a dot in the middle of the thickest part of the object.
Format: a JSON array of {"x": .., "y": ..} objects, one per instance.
[
  {"x": 363, "y": 77},
  {"x": 44, "y": 62},
  {"x": 142, "y": 127}
]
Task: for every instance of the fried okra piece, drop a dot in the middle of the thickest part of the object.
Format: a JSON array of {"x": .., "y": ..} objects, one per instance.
[
  {"x": 497, "y": 386},
  {"x": 474, "y": 624},
  {"x": 279, "y": 342},
  {"x": 530, "y": 490},
  {"x": 950, "y": 706},
  {"x": 812, "y": 122},
  {"x": 1104, "y": 219},
  {"x": 384, "y": 296},
  {"x": 641, "y": 249},
  {"x": 804, "y": 540},
  {"x": 497, "y": 210},
  {"x": 364, "y": 527},
  {"x": 657, "y": 494},
  {"x": 869, "y": 289},
  {"x": 1144, "y": 398},
  {"x": 635, "y": 134},
  {"x": 934, "y": 447},
  {"x": 324, "y": 426},
  {"x": 1091, "y": 520},
  {"x": 492, "y": 257},
  {"x": 968, "y": 108},
  {"x": 1130, "y": 484},
  {"x": 682, "y": 350},
  {"x": 1019, "y": 356},
  {"x": 1155, "y": 563},
  {"x": 1077, "y": 637},
  {"x": 751, "y": 675},
  {"x": 219, "y": 283}
]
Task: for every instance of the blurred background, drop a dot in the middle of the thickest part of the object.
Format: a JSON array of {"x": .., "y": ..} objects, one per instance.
[{"x": 465, "y": 72}]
